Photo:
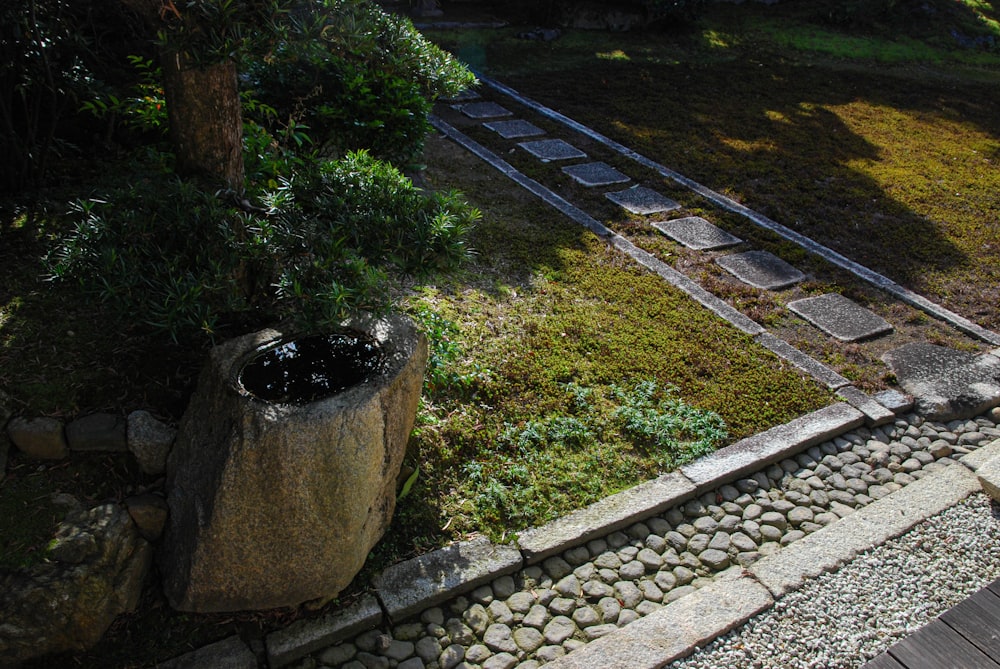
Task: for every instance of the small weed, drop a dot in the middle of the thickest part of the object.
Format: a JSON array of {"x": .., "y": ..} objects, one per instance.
[{"x": 660, "y": 421}]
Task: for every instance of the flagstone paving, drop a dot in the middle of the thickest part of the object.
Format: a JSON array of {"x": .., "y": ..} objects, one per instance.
[
  {"x": 552, "y": 149},
  {"x": 696, "y": 233},
  {"x": 514, "y": 129},
  {"x": 761, "y": 269},
  {"x": 840, "y": 317},
  {"x": 481, "y": 110},
  {"x": 643, "y": 201},
  {"x": 596, "y": 174}
]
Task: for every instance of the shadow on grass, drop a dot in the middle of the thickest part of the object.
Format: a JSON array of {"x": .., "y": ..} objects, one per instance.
[{"x": 891, "y": 166}]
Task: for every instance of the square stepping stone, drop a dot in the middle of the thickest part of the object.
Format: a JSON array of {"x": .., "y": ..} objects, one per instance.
[
  {"x": 514, "y": 129},
  {"x": 595, "y": 174},
  {"x": 552, "y": 149},
  {"x": 478, "y": 110},
  {"x": 840, "y": 317},
  {"x": 464, "y": 96},
  {"x": 696, "y": 233},
  {"x": 642, "y": 200},
  {"x": 761, "y": 269}
]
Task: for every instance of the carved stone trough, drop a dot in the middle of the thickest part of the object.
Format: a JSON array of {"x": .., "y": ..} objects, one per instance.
[{"x": 277, "y": 495}]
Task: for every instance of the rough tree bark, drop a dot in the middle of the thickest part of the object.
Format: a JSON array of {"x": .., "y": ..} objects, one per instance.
[
  {"x": 203, "y": 106},
  {"x": 206, "y": 125}
]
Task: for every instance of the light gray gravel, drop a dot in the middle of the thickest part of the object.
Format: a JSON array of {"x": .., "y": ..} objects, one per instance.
[{"x": 843, "y": 619}]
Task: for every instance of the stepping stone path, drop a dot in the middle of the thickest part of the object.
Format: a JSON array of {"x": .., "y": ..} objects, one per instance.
[
  {"x": 552, "y": 149},
  {"x": 465, "y": 96},
  {"x": 642, "y": 200},
  {"x": 546, "y": 610},
  {"x": 596, "y": 174},
  {"x": 696, "y": 233},
  {"x": 481, "y": 110},
  {"x": 514, "y": 129},
  {"x": 840, "y": 317},
  {"x": 835, "y": 317},
  {"x": 761, "y": 269}
]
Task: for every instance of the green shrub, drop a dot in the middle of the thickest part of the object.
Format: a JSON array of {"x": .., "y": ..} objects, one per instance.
[
  {"x": 182, "y": 260},
  {"x": 357, "y": 77}
]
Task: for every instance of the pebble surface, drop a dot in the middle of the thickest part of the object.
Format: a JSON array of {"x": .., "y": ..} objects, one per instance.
[
  {"x": 547, "y": 610},
  {"x": 907, "y": 582}
]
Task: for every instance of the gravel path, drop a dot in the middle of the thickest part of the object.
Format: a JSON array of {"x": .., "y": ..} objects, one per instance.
[{"x": 843, "y": 619}]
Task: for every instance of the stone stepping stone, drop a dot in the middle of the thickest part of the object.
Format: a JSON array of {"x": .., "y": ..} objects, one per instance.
[
  {"x": 696, "y": 233},
  {"x": 595, "y": 174},
  {"x": 552, "y": 149},
  {"x": 840, "y": 317},
  {"x": 642, "y": 200},
  {"x": 761, "y": 269},
  {"x": 464, "y": 96},
  {"x": 514, "y": 129},
  {"x": 480, "y": 110}
]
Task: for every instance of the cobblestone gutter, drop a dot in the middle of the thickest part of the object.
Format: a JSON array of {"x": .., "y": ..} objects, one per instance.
[{"x": 480, "y": 605}]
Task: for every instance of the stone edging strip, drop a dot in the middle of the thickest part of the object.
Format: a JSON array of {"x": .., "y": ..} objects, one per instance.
[
  {"x": 679, "y": 628},
  {"x": 870, "y": 276},
  {"x": 408, "y": 587}
]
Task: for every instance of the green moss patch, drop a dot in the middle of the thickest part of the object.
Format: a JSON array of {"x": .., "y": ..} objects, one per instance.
[{"x": 563, "y": 373}]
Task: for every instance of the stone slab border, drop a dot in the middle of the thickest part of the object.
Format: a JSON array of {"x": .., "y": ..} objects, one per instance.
[
  {"x": 868, "y": 275},
  {"x": 682, "y": 627}
]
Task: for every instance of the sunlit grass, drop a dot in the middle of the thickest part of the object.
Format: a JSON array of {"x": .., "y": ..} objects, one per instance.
[
  {"x": 836, "y": 43},
  {"x": 617, "y": 54}
]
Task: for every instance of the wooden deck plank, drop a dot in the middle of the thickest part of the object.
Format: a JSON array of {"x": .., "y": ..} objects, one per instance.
[
  {"x": 994, "y": 587},
  {"x": 883, "y": 661},
  {"x": 978, "y": 620},
  {"x": 935, "y": 646}
]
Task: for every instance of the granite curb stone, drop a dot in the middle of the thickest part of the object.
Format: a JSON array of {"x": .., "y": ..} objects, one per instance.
[
  {"x": 982, "y": 456},
  {"x": 411, "y": 586},
  {"x": 675, "y": 630},
  {"x": 607, "y": 515},
  {"x": 988, "y": 475},
  {"x": 806, "y": 363},
  {"x": 875, "y": 413},
  {"x": 306, "y": 636},
  {"x": 230, "y": 653},
  {"x": 747, "y": 455},
  {"x": 832, "y": 546},
  {"x": 894, "y": 401}
]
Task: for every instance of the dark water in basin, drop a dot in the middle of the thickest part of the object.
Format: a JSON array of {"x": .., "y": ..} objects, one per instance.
[{"x": 306, "y": 369}]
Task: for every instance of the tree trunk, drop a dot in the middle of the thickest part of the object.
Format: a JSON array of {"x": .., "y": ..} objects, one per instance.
[
  {"x": 203, "y": 106},
  {"x": 206, "y": 123}
]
